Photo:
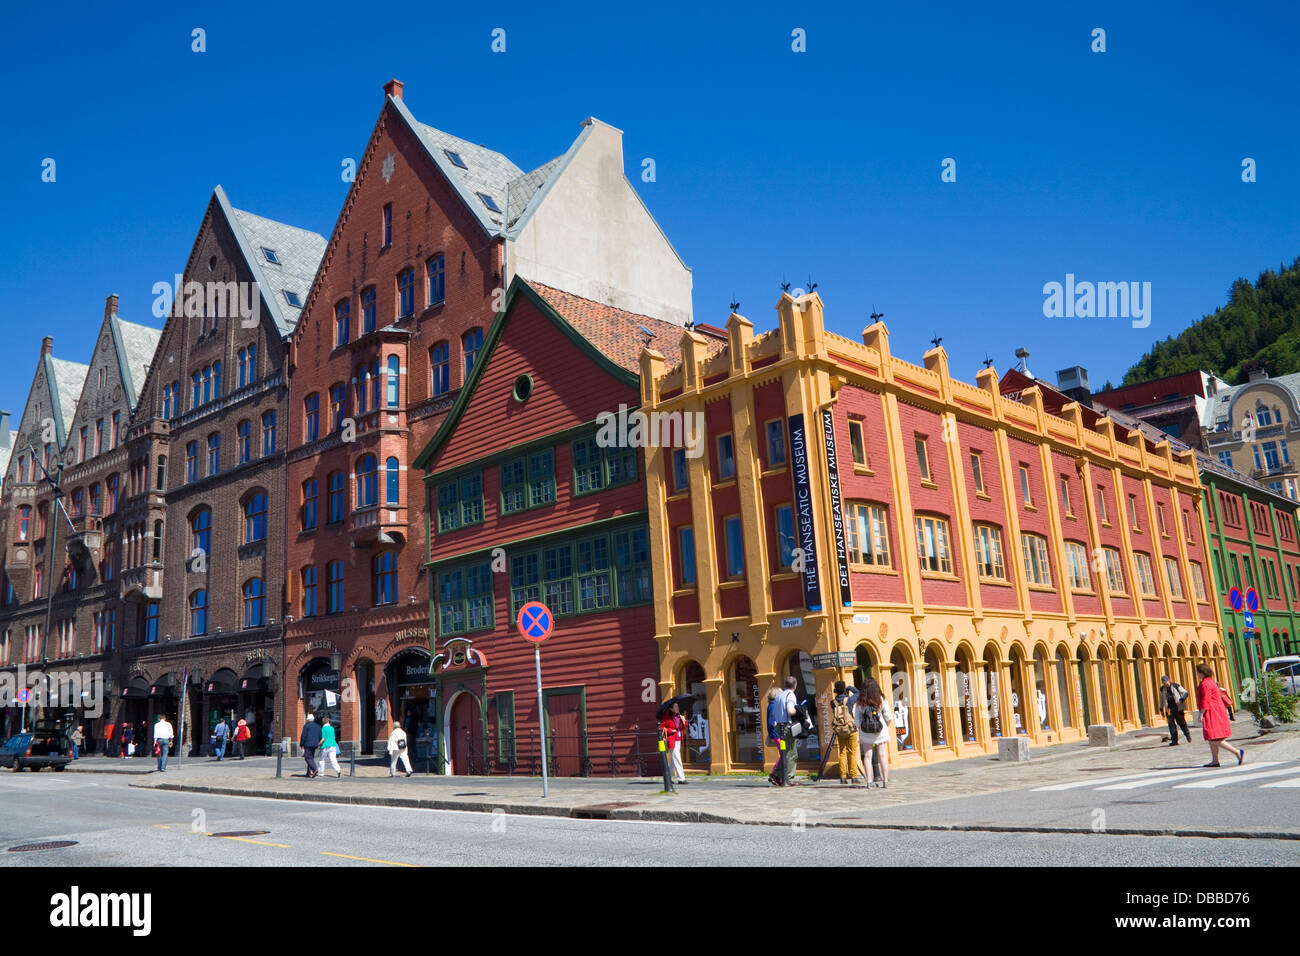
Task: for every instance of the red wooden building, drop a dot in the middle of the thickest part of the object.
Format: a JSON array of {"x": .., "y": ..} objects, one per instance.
[{"x": 526, "y": 504}]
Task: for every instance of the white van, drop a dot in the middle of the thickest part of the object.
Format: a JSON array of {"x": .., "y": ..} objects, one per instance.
[{"x": 1287, "y": 669}]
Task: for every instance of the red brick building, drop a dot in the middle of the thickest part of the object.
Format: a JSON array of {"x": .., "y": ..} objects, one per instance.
[
  {"x": 202, "y": 517},
  {"x": 432, "y": 232}
]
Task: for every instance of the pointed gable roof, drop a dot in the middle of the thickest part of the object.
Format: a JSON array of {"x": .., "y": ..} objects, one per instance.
[
  {"x": 67, "y": 379},
  {"x": 610, "y": 337},
  {"x": 135, "y": 345},
  {"x": 298, "y": 251}
]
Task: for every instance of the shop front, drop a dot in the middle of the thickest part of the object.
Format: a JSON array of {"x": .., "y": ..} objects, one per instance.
[
  {"x": 217, "y": 701},
  {"x": 320, "y": 691},
  {"x": 256, "y": 704},
  {"x": 413, "y": 700}
]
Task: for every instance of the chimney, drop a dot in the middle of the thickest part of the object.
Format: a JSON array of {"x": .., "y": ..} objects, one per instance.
[
  {"x": 393, "y": 88},
  {"x": 1073, "y": 383},
  {"x": 110, "y": 305},
  {"x": 5, "y": 440},
  {"x": 1257, "y": 374},
  {"x": 47, "y": 345}
]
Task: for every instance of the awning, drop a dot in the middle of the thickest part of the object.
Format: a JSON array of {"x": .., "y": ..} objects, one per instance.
[{"x": 136, "y": 687}]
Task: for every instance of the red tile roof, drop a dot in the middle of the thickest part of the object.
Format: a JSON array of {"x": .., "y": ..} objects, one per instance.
[{"x": 617, "y": 333}]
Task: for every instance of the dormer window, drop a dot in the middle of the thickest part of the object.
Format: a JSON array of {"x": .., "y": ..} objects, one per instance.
[
  {"x": 489, "y": 202},
  {"x": 455, "y": 159},
  {"x": 270, "y": 255},
  {"x": 293, "y": 299}
]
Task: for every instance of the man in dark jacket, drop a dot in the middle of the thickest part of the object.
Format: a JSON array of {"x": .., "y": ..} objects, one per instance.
[
  {"x": 309, "y": 741},
  {"x": 1172, "y": 701}
]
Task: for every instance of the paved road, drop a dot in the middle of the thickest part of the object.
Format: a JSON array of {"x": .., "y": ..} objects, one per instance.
[{"x": 118, "y": 826}]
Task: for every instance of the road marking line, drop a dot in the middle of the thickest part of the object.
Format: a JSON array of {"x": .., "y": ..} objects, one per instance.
[
  {"x": 1293, "y": 782},
  {"x": 1211, "y": 772},
  {"x": 163, "y": 826},
  {"x": 1081, "y": 784},
  {"x": 283, "y": 846},
  {"x": 366, "y": 859},
  {"x": 1221, "y": 782}
]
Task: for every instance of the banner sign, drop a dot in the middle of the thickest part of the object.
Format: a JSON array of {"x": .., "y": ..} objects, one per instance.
[
  {"x": 804, "y": 531},
  {"x": 837, "y": 512}
]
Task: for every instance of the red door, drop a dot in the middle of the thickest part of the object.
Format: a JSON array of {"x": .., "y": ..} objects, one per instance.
[
  {"x": 564, "y": 721},
  {"x": 466, "y": 736}
]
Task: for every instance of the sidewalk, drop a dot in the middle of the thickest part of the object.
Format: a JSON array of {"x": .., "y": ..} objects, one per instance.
[{"x": 730, "y": 799}]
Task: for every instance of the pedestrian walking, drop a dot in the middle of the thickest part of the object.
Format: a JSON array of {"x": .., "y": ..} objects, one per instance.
[
  {"x": 1214, "y": 716},
  {"x": 874, "y": 719},
  {"x": 128, "y": 741},
  {"x": 781, "y": 709},
  {"x": 397, "y": 751},
  {"x": 220, "y": 734},
  {"x": 329, "y": 747},
  {"x": 1173, "y": 700},
  {"x": 242, "y": 736},
  {"x": 845, "y": 727},
  {"x": 309, "y": 741},
  {"x": 674, "y": 730},
  {"x": 163, "y": 733},
  {"x": 78, "y": 740}
]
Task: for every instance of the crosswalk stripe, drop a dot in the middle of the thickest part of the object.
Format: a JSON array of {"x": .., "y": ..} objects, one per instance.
[
  {"x": 1185, "y": 775},
  {"x": 1224, "y": 781},
  {"x": 1294, "y": 782},
  {"x": 1081, "y": 784}
]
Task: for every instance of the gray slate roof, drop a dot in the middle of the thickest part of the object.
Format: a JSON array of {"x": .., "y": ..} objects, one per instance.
[
  {"x": 67, "y": 379},
  {"x": 523, "y": 189},
  {"x": 299, "y": 251},
  {"x": 486, "y": 171},
  {"x": 135, "y": 352}
]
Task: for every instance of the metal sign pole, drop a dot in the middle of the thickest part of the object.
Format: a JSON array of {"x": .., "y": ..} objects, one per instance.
[
  {"x": 180, "y": 718},
  {"x": 541, "y": 716}
]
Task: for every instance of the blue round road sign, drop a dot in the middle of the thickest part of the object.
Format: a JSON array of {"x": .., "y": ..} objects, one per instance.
[
  {"x": 1252, "y": 599},
  {"x": 24, "y": 696},
  {"x": 1234, "y": 598},
  {"x": 535, "y": 622}
]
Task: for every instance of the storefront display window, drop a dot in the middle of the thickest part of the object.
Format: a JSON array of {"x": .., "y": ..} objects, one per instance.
[
  {"x": 902, "y": 700},
  {"x": 746, "y": 713},
  {"x": 934, "y": 698}
]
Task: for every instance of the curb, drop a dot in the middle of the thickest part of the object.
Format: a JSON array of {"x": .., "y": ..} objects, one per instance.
[{"x": 584, "y": 812}]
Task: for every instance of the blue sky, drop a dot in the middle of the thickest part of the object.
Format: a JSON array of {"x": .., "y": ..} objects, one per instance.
[{"x": 771, "y": 165}]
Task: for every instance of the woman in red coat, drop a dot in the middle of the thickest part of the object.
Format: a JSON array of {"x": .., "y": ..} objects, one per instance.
[{"x": 1214, "y": 716}]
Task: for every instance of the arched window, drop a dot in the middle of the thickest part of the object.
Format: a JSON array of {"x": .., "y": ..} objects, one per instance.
[
  {"x": 307, "y": 519},
  {"x": 1263, "y": 416},
  {"x": 308, "y": 576},
  {"x": 470, "y": 343},
  {"x": 334, "y": 512},
  {"x": 363, "y": 375},
  {"x": 1063, "y": 687},
  {"x": 198, "y": 613},
  {"x": 367, "y": 490},
  {"x": 394, "y": 368},
  {"x": 24, "y": 522},
  {"x": 746, "y": 712},
  {"x": 934, "y": 698},
  {"x": 42, "y": 518},
  {"x": 244, "y": 433},
  {"x": 338, "y": 405},
  {"x": 254, "y": 603},
  {"x": 901, "y": 680},
  {"x": 440, "y": 369},
  {"x": 255, "y": 518},
  {"x": 405, "y": 293},
  {"x": 311, "y": 417},
  {"x": 384, "y": 565},
  {"x": 192, "y": 461},
  {"x": 342, "y": 322},
  {"x": 157, "y": 540},
  {"x": 392, "y": 474},
  {"x": 992, "y": 690},
  {"x": 201, "y": 531},
  {"x": 1019, "y": 709}
]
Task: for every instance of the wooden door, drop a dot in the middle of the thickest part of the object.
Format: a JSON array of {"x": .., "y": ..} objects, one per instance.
[
  {"x": 564, "y": 725},
  {"x": 466, "y": 731}
]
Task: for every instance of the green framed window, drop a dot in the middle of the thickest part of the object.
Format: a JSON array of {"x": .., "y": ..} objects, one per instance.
[
  {"x": 595, "y": 467},
  {"x": 503, "y": 706},
  {"x": 465, "y": 599},
  {"x": 460, "y": 502},
  {"x": 582, "y": 575},
  {"x": 528, "y": 482}
]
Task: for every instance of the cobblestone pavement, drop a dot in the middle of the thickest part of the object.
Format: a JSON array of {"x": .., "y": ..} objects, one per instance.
[{"x": 721, "y": 799}]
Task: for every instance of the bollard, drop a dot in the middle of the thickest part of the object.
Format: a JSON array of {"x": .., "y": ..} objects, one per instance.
[
  {"x": 279, "y": 759},
  {"x": 352, "y": 760}
]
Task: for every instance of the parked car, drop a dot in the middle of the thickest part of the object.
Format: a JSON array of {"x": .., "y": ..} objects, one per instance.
[
  {"x": 37, "y": 748},
  {"x": 1287, "y": 670}
]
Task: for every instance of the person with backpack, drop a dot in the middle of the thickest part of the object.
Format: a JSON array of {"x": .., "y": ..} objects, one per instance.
[
  {"x": 845, "y": 727},
  {"x": 242, "y": 736},
  {"x": 874, "y": 718},
  {"x": 781, "y": 709},
  {"x": 219, "y": 734},
  {"x": 1173, "y": 700}
]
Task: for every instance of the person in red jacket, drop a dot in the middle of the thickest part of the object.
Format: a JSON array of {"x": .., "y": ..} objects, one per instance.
[
  {"x": 242, "y": 735},
  {"x": 1214, "y": 716},
  {"x": 673, "y": 728}
]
